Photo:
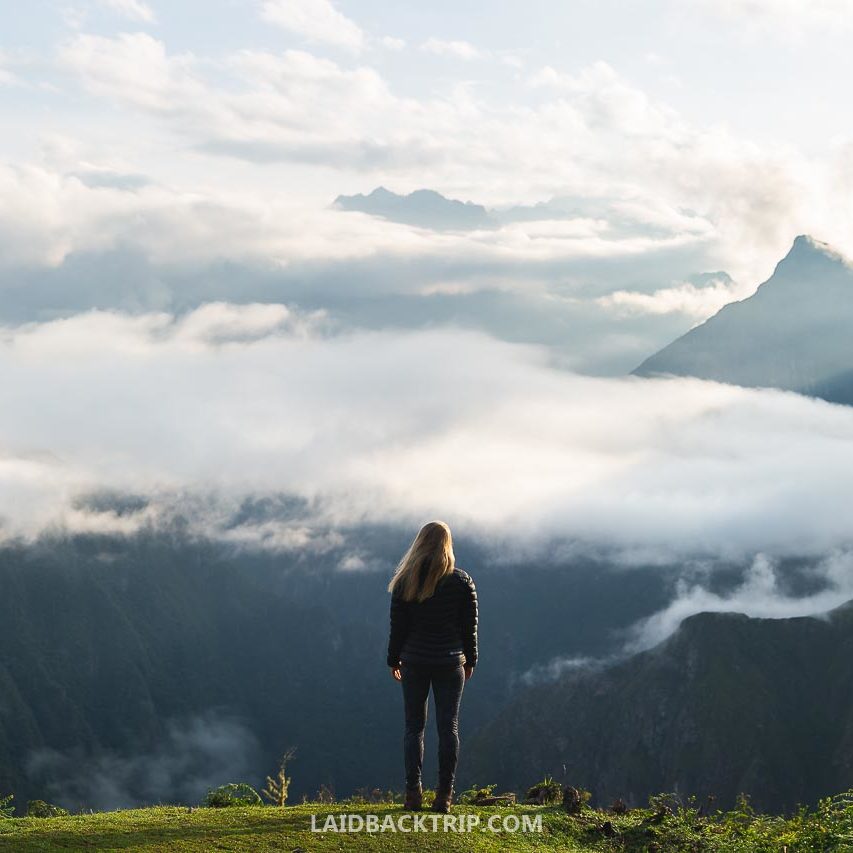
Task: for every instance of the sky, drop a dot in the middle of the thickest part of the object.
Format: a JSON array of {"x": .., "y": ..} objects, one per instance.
[
  {"x": 732, "y": 111},
  {"x": 185, "y": 310}
]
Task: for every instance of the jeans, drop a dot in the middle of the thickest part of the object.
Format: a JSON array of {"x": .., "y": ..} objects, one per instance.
[{"x": 447, "y": 683}]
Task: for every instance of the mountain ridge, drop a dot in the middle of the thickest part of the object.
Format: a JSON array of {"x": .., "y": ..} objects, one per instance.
[
  {"x": 792, "y": 333},
  {"x": 727, "y": 704},
  {"x": 423, "y": 208}
]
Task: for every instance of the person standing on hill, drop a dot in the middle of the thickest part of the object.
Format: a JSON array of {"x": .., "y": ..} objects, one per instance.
[{"x": 432, "y": 643}]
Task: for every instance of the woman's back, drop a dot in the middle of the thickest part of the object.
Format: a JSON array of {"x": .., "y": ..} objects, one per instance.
[{"x": 442, "y": 629}]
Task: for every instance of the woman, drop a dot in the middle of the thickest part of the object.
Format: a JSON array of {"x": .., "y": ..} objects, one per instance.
[{"x": 433, "y": 642}]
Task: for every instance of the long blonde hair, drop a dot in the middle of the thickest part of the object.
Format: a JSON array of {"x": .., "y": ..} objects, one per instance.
[{"x": 432, "y": 548}]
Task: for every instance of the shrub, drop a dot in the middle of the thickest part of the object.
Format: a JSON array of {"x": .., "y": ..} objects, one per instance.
[
  {"x": 474, "y": 794},
  {"x": 619, "y": 806},
  {"x": 545, "y": 793},
  {"x": 325, "y": 794},
  {"x": 39, "y": 808},
  {"x": 372, "y": 795},
  {"x": 574, "y": 799},
  {"x": 235, "y": 794},
  {"x": 6, "y": 807},
  {"x": 277, "y": 788}
]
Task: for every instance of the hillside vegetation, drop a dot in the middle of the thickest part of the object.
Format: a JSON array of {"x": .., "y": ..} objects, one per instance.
[
  {"x": 145, "y": 668},
  {"x": 726, "y": 704},
  {"x": 661, "y": 827}
]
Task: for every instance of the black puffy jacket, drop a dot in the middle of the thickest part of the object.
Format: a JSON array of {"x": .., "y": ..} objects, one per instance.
[{"x": 440, "y": 630}]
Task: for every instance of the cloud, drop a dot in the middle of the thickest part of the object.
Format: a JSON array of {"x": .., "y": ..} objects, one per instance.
[
  {"x": 758, "y": 595},
  {"x": 789, "y": 15},
  {"x": 134, "y": 10},
  {"x": 393, "y": 43},
  {"x": 47, "y": 215},
  {"x": 590, "y": 134},
  {"x": 686, "y": 298},
  {"x": 557, "y": 667},
  {"x": 315, "y": 20},
  {"x": 457, "y": 49},
  {"x": 7, "y": 77},
  {"x": 384, "y": 427},
  {"x": 13, "y": 67},
  {"x": 135, "y": 68},
  {"x": 194, "y": 755}
]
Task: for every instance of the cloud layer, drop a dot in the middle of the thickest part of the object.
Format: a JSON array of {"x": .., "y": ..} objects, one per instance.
[
  {"x": 395, "y": 426},
  {"x": 588, "y": 133}
]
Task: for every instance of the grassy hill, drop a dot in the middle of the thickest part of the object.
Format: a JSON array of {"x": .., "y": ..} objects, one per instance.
[{"x": 827, "y": 829}]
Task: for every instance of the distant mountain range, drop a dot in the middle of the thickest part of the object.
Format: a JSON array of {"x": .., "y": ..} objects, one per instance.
[
  {"x": 795, "y": 332},
  {"x": 426, "y": 208},
  {"x": 423, "y": 208},
  {"x": 728, "y": 704}
]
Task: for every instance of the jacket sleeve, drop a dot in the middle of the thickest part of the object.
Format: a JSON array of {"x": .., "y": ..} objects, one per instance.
[
  {"x": 399, "y": 629},
  {"x": 469, "y": 621}
]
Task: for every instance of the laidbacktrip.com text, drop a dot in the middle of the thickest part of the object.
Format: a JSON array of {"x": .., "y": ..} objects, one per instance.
[{"x": 497, "y": 823}]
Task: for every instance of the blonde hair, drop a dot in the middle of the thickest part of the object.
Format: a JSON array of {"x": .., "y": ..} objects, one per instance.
[{"x": 429, "y": 558}]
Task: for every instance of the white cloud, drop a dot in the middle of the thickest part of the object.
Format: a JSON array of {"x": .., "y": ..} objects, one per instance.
[
  {"x": 393, "y": 43},
  {"x": 512, "y": 60},
  {"x": 135, "y": 10},
  {"x": 193, "y": 755},
  {"x": 134, "y": 68},
  {"x": 758, "y": 595},
  {"x": 790, "y": 15},
  {"x": 6, "y": 77},
  {"x": 556, "y": 668},
  {"x": 458, "y": 49},
  {"x": 316, "y": 20},
  {"x": 589, "y": 133},
  {"x": 46, "y": 214},
  {"x": 685, "y": 298},
  {"x": 383, "y": 426}
]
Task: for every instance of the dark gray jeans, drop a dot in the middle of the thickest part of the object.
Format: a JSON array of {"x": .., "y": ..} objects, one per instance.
[{"x": 447, "y": 683}]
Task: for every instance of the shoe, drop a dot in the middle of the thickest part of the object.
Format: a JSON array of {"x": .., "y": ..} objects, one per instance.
[
  {"x": 442, "y": 801},
  {"x": 414, "y": 799}
]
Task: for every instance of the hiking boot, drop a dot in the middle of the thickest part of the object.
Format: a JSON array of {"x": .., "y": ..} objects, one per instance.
[
  {"x": 414, "y": 799},
  {"x": 442, "y": 801}
]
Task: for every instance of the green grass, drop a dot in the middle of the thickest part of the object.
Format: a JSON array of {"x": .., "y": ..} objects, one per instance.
[
  {"x": 828, "y": 829},
  {"x": 258, "y": 828}
]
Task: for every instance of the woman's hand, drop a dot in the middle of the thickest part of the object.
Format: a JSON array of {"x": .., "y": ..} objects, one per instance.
[
  {"x": 469, "y": 671},
  {"x": 396, "y": 674}
]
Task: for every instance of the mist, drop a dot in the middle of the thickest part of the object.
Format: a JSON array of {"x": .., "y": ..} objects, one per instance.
[
  {"x": 232, "y": 401},
  {"x": 194, "y": 755}
]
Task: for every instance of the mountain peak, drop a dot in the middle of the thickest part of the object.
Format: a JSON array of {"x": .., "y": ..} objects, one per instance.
[
  {"x": 804, "y": 242},
  {"x": 807, "y": 247},
  {"x": 382, "y": 192},
  {"x": 793, "y": 333}
]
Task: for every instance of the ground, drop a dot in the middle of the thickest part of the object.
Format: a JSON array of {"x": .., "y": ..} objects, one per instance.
[{"x": 828, "y": 829}]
